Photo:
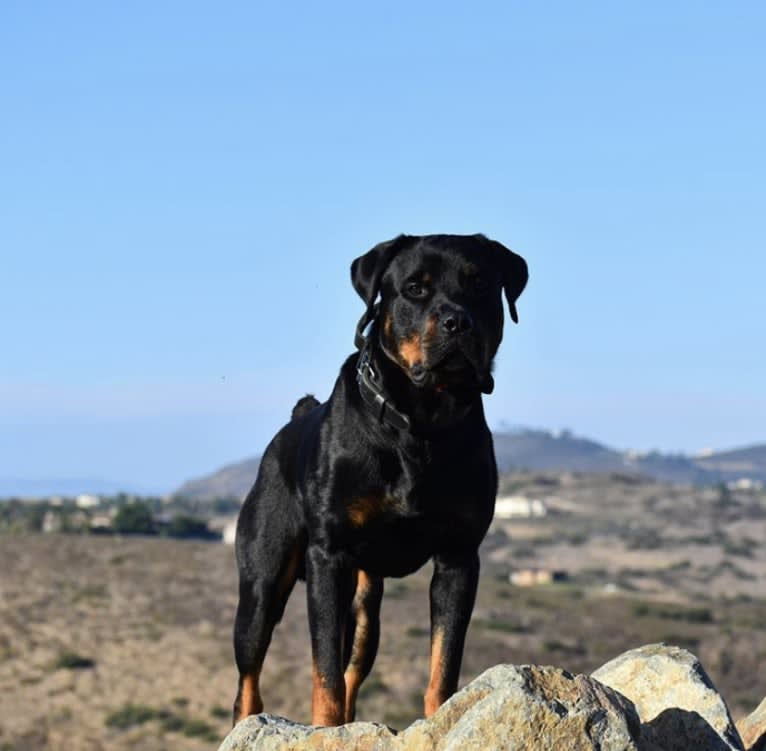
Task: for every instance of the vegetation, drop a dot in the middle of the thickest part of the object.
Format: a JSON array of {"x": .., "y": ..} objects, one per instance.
[
  {"x": 134, "y": 518},
  {"x": 118, "y": 514},
  {"x": 186, "y": 526},
  {"x": 132, "y": 715},
  {"x": 688, "y": 615},
  {"x": 72, "y": 661}
]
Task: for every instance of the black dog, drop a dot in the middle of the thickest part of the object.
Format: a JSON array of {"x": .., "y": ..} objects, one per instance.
[{"x": 396, "y": 467}]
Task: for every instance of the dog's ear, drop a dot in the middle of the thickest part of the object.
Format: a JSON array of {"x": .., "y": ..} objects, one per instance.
[
  {"x": 366, "y": 273},
  {"x": 514, "y": 273},
  {"x": 367, "y": 270}
]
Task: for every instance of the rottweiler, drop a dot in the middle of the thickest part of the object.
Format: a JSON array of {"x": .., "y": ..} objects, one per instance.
[{"x": 397, "y": 467}]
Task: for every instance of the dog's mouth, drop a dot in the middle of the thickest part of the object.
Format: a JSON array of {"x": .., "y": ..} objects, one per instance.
[
  {"x": 453, "y": 369},
  {"x": 453, "y": 362}
]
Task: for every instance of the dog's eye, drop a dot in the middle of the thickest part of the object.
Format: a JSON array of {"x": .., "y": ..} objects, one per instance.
[{"x": 416, "y": 289}]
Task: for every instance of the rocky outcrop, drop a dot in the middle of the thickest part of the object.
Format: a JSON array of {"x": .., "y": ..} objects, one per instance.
[
  {"x": 753, "y": 729},
  {"x": 531, "y": 707},
  {"x": 679, "y": 707},
  {"x": 507, "y": 706},
  {"x": 265, "y": 732},
  {"x": 655, "y": 698}
]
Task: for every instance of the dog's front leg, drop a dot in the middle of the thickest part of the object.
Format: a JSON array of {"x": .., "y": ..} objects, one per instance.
[
  {"x": 329, "y": 586},
  {"x": 453, "y": 592}
]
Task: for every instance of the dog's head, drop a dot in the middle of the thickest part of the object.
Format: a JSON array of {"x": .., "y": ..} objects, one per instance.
[{"x": 440, "y": 315}]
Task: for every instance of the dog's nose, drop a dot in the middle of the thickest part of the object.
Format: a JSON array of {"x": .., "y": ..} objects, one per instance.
[{"x": 456, "y": 322}]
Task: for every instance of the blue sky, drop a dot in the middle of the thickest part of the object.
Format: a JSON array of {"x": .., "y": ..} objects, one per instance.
[{"x": 184, "y": 185}]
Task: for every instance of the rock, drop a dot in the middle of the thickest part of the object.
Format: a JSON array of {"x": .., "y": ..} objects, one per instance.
[
  {"x": 507, "y": 707},
  {"x": 753, "y": 729},
  {"x": 654, "y": 698},
  {"x": 528, "y": 707},
  {"x": 676, "y": 701},
  {"x": 265, "y": 732}
]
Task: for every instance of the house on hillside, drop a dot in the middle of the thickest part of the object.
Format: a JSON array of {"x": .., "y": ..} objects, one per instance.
[
  {"x": 226, "y": 526},
  {"x": 85, "y": 500},
  {"x": 519, "y": 507},
  {"x": 102, "y": 522},
  {"x": 534, "y": 577},
  {"x": 52, "y": 522},
  {"x": 230, "y": 532},
  {"x": 746, "y": 484}
]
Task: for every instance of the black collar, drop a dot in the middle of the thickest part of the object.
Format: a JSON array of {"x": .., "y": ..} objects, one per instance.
[{"x": 372, "y": 392}]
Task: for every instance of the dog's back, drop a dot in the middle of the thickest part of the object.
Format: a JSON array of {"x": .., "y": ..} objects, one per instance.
[{"x": 304, "y": 405}]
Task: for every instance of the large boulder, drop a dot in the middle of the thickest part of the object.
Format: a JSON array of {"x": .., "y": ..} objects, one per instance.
[
  {"x": 753, "y": 729},
  {"x": 506, "y": 707},
  {"x": 676, "y": 701},
  {"x": 528, "y": 707}
]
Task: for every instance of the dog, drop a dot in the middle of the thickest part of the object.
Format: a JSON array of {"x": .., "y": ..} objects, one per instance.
[{"x": 397, "y": 467}]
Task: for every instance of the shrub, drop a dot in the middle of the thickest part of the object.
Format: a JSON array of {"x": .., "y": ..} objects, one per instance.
[
  {"x": 505, "y": 626},
  {"x": 134, "y": 518},
  {"x": 220, "y": 712},
  {"x": 684, "y": 615},
  {"x": 130, "y": 715},
  {"x": 72, "y": 661},
  {"x": 186, "y": 526},
  {"x": 418, "y": 631}
]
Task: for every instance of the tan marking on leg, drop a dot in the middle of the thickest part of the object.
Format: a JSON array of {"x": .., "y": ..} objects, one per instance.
[
  {"x": 434, "y": 697},
  {"x": 361, "y": 631},
  {"x": 327, "y": 704},
  {"x": 410, "y": 350},
  {"x": 250, "y": 701},
  {"x": 353, "y": 681},
  {"x": 353, "y": 676}
]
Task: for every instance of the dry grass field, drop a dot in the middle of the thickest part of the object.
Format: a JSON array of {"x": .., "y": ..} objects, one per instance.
[{"x": 124, "y": 643}]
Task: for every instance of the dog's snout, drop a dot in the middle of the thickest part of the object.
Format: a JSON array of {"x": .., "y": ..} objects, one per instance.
[{"x": 456, "y": 321}]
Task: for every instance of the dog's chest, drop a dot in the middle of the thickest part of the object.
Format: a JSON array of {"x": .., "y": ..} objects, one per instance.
[
  {"x": 393, "y": 535},
  {"x": 389, "y": 543}
]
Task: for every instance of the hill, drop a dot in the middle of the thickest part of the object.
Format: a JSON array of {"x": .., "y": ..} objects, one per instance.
[
  {"x": 232, "y": 481},
  {"x": 565, "y": 452},
  {"x": 744, "y": 462},
  {"x": 542, "y": 450}
]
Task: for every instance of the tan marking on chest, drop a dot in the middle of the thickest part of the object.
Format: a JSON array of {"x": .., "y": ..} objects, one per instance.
[{"x": 361, "y": 510}]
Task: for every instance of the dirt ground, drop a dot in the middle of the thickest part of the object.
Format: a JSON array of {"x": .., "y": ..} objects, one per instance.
[{"x": 123, "y": 643}]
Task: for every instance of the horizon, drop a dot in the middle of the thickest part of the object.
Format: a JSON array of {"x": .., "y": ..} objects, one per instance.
[
  {"x": 73, "y": 486},
  {"x": 184, "y": 192}
]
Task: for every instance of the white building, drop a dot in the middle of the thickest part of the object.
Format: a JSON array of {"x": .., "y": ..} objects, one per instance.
[
  {"x": 230, "y": 532},
  {"x": 84, "y": 500},
  {"x": 519, "y": 507}
]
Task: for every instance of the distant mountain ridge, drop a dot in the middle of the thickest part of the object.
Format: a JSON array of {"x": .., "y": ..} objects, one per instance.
[
  {"x": 531, "y": 449},
  {"x": 25, "y": 487},
  {"x": 232, "y": 481}
]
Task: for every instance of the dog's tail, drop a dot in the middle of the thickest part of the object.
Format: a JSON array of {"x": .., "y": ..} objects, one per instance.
[{"x": 304, "y": 405}]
